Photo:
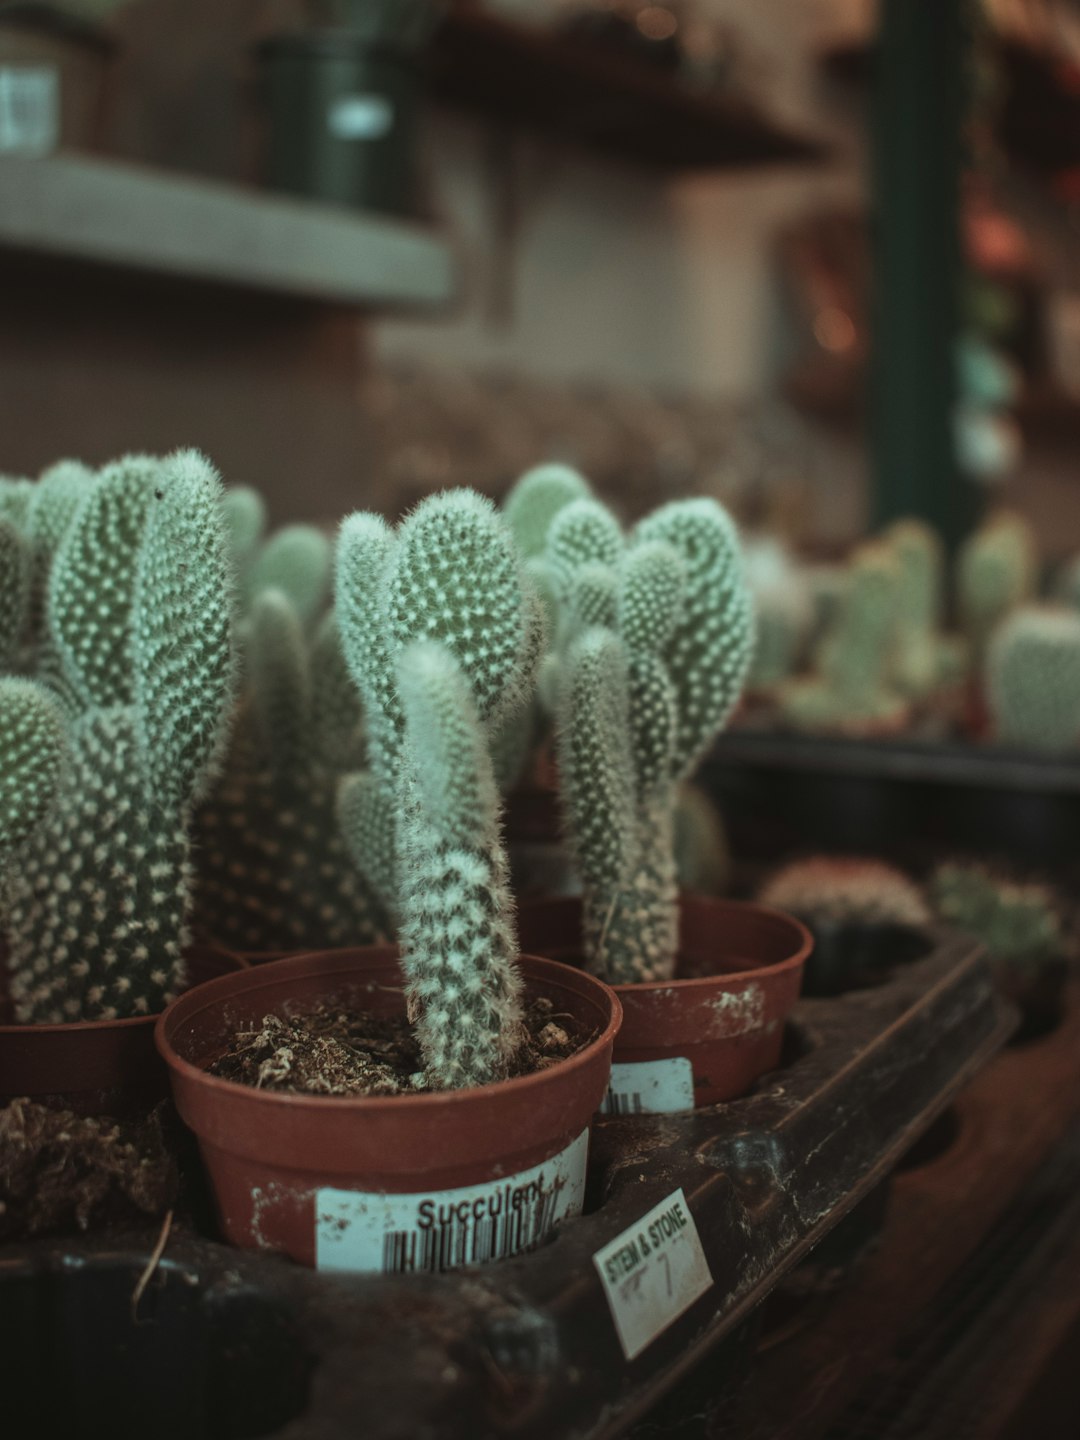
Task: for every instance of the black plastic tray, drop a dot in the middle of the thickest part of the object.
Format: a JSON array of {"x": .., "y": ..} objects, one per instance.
[
  {"x": 234, "y": 1344},
  {"x": 781, "y": 793}
]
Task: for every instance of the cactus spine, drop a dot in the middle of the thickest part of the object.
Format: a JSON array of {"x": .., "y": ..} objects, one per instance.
[
  {"x": 98, "y": 887},
  {"x": 656, "y": 656},
  {"x": 1033, "y": 678},
  {"x": 438, "y": 631}
]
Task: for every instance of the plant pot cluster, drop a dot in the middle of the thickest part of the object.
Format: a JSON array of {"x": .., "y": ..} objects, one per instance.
[{"x": 348, "y": 789}]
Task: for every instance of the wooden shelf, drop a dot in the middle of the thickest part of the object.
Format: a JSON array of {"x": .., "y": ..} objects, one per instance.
[
  {"x": 1039, "y": 120},
  {"x": 544, "y": 82},
  {"x": 136, "y": 219}
]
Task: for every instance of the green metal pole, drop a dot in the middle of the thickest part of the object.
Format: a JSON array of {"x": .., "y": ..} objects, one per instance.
[{"x": 918, "y": 108}]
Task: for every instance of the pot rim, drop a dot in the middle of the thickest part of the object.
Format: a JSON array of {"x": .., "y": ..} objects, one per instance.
[
  {"x": 792, "y": 961},
  {"x": 797, "y": 956},
  {"x": 263, "y": 976}
]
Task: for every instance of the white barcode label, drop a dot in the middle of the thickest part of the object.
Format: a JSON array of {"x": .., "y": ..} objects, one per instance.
[
  {"x": 29, "y": 110},
  {"x": 365, "y": 1232},
  {"x": 653, "y": 1272},
  {"x": 650, "y": 1087}
]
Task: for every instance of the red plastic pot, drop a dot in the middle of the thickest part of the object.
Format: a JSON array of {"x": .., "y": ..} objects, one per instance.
[
  {"x": 707, "y": 1035},
  {"x": 94, "y": 1067},
  {"x": 386, "y": 1183}
]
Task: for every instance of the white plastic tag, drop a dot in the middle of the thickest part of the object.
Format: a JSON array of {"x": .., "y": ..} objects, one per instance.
[
  {"x": 650, "y": 1087},
  {"x": 365, "y": 1231},
  {"x": 653, "y": 1272}
]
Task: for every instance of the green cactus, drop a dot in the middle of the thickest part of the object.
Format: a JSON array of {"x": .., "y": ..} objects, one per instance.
[
  {"x": 1033, "y": 678},
  {"x": 98, "y": 885},
  {"x": 245, "y": 523},
  {"x": 536, "y": 499},
  {"x": 702, "y": 853},
  {"x": 640, "y": 697},
  {"x": 273, "y": 869},
  {"x": 920, "y": 605},
  {"x": 846, "y": 890},
  {"x": 297, "y": 561},
  {"x": 37, "y": 520},
  {"x": 1020, "y": 924},
  {"x": 779, "y": 628},
  {"x": 852, "y": 693},
  {"x": 996, "y": 570},
  {"x": 34, "y": 750},
  {"x": 14, "y": 593},
  {"x": 421, "y": 825},
  {"x": 458, "y": 935}
]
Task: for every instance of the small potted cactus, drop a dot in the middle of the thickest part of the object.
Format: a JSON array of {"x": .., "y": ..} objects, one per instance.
[
  {"x": 853, "y": 692},
  {"x": 1033, "y": 678},
  {"x": 1021, "y": 923},
  {"x": 997, "y": 570},
  {"x": 104, "y": 751},
  {"x": 652, "y": 648},
  {"x": 442, "y": 635},
  {"x": 865, "y": 915}
]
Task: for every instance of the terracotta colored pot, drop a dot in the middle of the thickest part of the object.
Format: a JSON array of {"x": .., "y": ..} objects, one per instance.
[
  {"x": 386, "y": 1183},
  {"x": 707, "y": 1035},
  {"x": 95, "y": 1067}
]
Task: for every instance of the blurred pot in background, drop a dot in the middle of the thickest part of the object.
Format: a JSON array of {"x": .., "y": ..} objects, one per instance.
[{"x": 342, "y": 102}]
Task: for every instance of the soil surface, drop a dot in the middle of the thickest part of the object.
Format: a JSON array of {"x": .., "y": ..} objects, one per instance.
[
  {"x": 62, "y": 1171},
  {"x": 332, "y": 1051}
]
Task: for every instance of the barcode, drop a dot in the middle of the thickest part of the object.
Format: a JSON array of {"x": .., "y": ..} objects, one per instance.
[
  {"x": 438, "y": 1248},
  {"x": 625, "y": 1102},
  {"x": 29, "y": 110}
]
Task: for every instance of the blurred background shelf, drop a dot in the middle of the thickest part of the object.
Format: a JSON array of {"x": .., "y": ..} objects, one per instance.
[
  {"x": 523, "y": 76},
  {"x": 1039, "y": 120},
  {"x": 134, "y": 219}
]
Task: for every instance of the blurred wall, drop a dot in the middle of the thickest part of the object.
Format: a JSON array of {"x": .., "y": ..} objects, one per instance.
[{"x": 627, "y": 274}]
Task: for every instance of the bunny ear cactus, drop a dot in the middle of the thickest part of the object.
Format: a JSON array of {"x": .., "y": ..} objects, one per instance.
[
  {"x": 98, "y": 889},
  {"x": 297, "y": 561},
  {"x": 14, "y": 593},
  {"x": 439, "y": 630},
  {"x": 458, "y": 937},
  {"x": 274, "y": 872},
  {"x": 536, "y": 499},
  {"x": 639, "y": 702},
  {"x": 920, "y": 594},
  {"x": 1033, "y": 678},
  {"x": 996, "y": 570},
  {"x": 852, "y": 694}
]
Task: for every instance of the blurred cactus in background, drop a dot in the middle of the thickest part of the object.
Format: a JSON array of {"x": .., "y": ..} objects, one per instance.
[
  {"x": 846, "y": 890},
  {"x": 1033, "y": 678}
]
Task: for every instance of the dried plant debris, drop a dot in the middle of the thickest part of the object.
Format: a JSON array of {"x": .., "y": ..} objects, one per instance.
[
  {"x": 333, "y": 1051},
  {"x": 61, "y": 1171}
]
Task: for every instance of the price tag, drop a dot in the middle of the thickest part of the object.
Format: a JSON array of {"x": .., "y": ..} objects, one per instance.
[
  {"x": 366, "y": 1231},
  {"x": 653, "y": 1272},
  {"x": 650, "y": 1087}
]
